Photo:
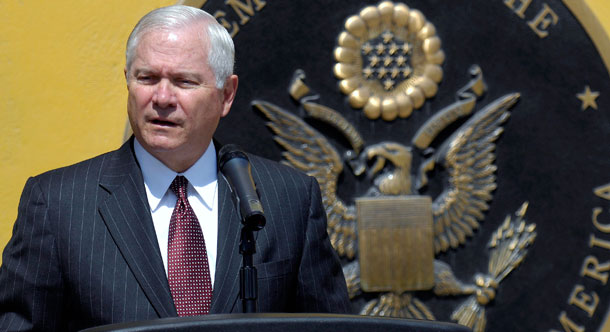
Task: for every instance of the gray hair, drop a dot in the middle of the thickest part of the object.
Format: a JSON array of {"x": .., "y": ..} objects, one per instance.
[{"x": 222, "y": 51}]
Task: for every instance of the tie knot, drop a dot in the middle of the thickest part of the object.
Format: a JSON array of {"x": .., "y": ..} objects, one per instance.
[{"x": 178, "y": 186}]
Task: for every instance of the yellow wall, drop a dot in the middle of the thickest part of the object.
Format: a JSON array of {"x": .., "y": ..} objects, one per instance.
[{"x": 62, "y": 93}]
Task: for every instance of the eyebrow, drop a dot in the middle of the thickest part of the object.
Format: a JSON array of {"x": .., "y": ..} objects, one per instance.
[{"x": 186, "y": 74}]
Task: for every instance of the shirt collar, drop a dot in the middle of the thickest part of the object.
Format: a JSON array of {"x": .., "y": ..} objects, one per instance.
[{"x": 157, "y": 177}]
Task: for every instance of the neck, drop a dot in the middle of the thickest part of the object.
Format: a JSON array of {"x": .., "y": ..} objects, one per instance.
[{"x": 178, "y": 160}]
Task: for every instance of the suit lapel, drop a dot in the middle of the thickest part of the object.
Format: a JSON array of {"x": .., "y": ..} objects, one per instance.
[
  {"x": 226, "y": 281},
  {"x": 126, "y": 213}
]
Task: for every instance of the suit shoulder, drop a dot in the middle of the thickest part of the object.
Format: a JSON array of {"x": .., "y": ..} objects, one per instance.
[
  {"x": 78, "y": 170},
  {"x": 276, "y": 169}
]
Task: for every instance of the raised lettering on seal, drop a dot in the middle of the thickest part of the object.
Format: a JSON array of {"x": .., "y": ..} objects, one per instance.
[
  {"x": 240, "y": 7},
  {"x": 542, "y": 21},
  {"x": 593, "y": 269},
  {"x": 568, "y": 325},
  {"x": 588, "y": 303},
  {"x": 521, "y": 10}
]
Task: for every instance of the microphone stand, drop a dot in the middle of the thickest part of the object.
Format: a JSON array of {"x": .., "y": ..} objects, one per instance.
[
  {"x": 235, "y": 166},
  {"x": 248, "y": 287}
]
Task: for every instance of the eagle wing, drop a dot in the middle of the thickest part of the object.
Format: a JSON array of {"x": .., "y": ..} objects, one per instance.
[
  {"x": 309, "y": 151},
  {"x": 468, "y": 156}
]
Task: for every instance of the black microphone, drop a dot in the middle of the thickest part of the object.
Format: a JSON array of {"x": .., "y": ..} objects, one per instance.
[{"x": 235, "y": 166}]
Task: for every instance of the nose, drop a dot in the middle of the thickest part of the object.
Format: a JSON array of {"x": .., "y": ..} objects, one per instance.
[{"x": 164, "y": 94}]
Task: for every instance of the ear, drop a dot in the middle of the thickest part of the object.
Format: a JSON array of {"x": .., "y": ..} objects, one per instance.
[
  {"x": 126, "y": 80},
  {"x": 228, "y": 94}
]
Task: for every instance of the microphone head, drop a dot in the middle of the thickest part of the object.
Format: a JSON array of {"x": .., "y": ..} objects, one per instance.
[
  {"x": 256, "y": 220},
  {"x": 228, "y": 152}
]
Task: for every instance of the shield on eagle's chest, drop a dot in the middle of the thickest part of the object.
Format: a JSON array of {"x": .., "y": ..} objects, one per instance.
[{"x": 395, "y": 243}]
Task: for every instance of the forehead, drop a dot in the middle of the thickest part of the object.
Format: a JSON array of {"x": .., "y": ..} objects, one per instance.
[{"x": 183, "y": 47}]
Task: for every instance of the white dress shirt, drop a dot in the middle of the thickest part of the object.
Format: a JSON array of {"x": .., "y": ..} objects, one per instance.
[{"x": 202, "y": 195}]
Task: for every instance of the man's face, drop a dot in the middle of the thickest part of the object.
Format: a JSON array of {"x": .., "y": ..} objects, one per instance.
[{"x": 174, "y": 106}]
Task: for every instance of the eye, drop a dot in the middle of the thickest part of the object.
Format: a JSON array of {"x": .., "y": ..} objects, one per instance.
[
  {"x": 146, "y": 79},
  {"x": 186, "y": 83}
]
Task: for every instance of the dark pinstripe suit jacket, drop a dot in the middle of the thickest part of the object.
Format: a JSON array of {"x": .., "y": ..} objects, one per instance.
[{"x": 84, "y": 250}]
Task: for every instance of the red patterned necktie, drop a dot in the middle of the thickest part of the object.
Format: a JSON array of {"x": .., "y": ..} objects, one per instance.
[{"x": 188, "y": 270}]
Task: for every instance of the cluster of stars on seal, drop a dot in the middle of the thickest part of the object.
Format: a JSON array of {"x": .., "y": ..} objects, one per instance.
[{"x": 387, "y": 60}]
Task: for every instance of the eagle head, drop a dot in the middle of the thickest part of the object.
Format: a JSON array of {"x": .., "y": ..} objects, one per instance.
[{"x": 393, "y": 163}]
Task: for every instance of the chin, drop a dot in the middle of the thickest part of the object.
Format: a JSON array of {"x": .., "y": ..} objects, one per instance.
[
  {"x": 160, "y": 143},
  {"x": 164, "y": 147}
]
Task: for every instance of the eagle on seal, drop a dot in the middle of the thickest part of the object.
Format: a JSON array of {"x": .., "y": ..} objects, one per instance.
[{"x": 467, "y": 156}]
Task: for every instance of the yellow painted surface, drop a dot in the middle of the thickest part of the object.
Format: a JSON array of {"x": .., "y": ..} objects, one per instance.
[{"x": 63, "y": 93}]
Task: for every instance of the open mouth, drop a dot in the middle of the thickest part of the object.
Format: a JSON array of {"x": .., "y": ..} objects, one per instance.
[{"x": 163, "y": 123}]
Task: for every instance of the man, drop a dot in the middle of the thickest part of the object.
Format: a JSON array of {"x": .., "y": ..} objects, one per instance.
[{"x": 150, "y": 230}]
